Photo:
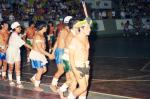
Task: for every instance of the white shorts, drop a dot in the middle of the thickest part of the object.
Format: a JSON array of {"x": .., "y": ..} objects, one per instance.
[
  {"x": 37, "y": 56},
  {"x": 13, "y": 55}
]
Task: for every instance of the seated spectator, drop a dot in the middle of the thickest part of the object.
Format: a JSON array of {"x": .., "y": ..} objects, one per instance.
[
  {"x": 123, "y": 14},
  {"x": 147, "y": 27},
  {"x": 100, "y": 15},
  {"x": 113, "y": 14},
  {"x": 104, "y": 15},
  {"x": 126, "y": 28},
  {"x": 1, "y": 19},
  {"x": 11, "y": 17}
]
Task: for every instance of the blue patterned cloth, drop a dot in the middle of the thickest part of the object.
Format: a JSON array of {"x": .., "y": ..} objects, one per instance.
[
  {"x": 2, "y": 56},
  {"x": 37, "y": 64},
  {"x": 58, "y": 55}
]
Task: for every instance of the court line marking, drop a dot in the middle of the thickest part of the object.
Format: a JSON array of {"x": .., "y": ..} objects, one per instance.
[
  {"x": 129, "y": 79},
  {"x": 89, "y": 91},
  {"x": 132, "y": 77},
  {"x": 33, "y": 74},
  {"x": 145, "y": 66},
  {"x": 10, "y": 96},
  {"x": 121, "y": 81},
  {"x": 42, "y": 85},
  {"x": 119, "y": 57},
  {"x": 107, "y": 57},
  {"x": 33, "y": 90},
  {"x": 113, "y": 95},
  {"x": 126, "y": 79}
]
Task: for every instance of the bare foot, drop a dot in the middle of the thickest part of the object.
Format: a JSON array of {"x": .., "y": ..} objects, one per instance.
[
  {"x": 53, "y": 88},
  {"x": 38, "y": 89}
]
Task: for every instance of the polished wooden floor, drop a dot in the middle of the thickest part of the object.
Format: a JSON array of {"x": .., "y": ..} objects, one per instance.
[{"x": 120, "y": 69}]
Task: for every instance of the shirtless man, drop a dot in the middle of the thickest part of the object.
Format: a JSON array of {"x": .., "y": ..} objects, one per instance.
[
  {"x": 30, "y": 31},
  {"x": 4, "y": 33},
  {"x": 70, "y": 79},
  {"x": 58, "y": 51},
  {"x": 37, "y": 55},
  {"x": 78, "y": 54}
]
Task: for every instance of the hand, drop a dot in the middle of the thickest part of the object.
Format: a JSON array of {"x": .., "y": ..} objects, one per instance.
[{"x": 51, "y": 56}]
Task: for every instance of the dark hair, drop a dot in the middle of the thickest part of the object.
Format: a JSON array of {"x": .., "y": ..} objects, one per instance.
[
  {"x": 71, "y": 23},
  {"x": 2, "y": 23},
  {"x": 31, "y": 22},
  {"x": 40, "y": 24}
]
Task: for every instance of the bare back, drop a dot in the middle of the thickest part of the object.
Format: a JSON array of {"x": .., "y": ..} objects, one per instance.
[
  {"x": 61, "y": 38},
  {"x": 68, "y": 39}
]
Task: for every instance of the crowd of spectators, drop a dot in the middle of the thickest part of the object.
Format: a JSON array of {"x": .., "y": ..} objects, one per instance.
[
  {"x": 39, "y": 9},
  {"x": 124, "y": 9},
  {"x": 57, "y": 9},
  {"x": 135, "y": 8}
]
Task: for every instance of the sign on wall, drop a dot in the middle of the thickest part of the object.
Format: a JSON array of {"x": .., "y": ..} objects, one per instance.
[
  {"x": 100, "y": 25},
  {"x": 121, "y": 22},
  {"x": 100, "y": 4}
]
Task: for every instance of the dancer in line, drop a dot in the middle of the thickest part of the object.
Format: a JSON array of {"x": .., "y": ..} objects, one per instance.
[
  {"x": 30, "y": 32},
  {"x": 13, "y": 53},
  {"x": 79, "y": 53},
  {"x": 37, "y": 55},
  {"x": 4, "y": 33},
  {"x": 58, "y": 51},
  {"x": 70, "y": 79}
]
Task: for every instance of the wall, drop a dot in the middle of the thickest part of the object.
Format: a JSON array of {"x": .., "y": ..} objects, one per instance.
[{"x": 113, "y": 26}]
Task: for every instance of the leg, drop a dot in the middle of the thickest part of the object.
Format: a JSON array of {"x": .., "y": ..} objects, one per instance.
[
  {"x": 59, "y": 72},
  {"x": 0, "y": 67},
  {"x": 37, "y": 79},
  {"x": 4, "y": 70},
  {"x": 44, "y": 69},
  {"x": 18, "y": 72},
  {"x": 28, "y": 51},
  {"x": 64, "y": 87},
  {"x": 71, "y": 83},
  {"x": 11, "y": 83},
  {"x": 82, "y": 85},
  {"x": 84, "y": 95},
  {"x": 33, "y": 78}
]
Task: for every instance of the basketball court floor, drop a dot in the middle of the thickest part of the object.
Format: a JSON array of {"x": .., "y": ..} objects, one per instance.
[{"x": 120, "y": 69}]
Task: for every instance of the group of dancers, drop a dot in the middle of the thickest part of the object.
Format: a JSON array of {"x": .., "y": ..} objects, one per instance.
[{"x": 70, "y": 51}]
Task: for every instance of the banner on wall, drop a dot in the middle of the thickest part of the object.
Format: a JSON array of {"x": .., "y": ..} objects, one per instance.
[
  {"x": 100, "y": 4},
  {"x": 146, "y": 23},
  {"x": 100, "y": 25},
  {"x": 26, "y": 24},
  {"x": 121, "y": 22}
]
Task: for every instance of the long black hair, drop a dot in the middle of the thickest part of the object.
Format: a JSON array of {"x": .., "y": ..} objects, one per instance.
[{"x": 2, "y": 23}]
